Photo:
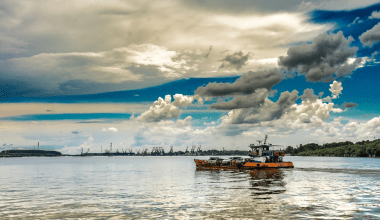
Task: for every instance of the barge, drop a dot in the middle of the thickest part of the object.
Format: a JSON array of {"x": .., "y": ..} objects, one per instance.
[{"x": 262, "y": 156}]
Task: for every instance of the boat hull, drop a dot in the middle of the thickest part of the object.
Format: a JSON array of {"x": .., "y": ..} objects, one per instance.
[
  {"x": 254, "y": 165},
  {"x": 247, "y": 165}
]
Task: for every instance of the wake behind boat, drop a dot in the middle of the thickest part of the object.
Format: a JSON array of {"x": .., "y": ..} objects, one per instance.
[{"x": 262, "y": 156}]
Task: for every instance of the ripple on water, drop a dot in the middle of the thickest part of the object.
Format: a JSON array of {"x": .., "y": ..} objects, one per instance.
[{"x": 171, "y": 188}]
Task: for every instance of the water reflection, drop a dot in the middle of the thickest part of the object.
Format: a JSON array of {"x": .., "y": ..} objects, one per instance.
[
  {"x": 258, "y": 182},
  {"x": 249, "y": 194},
  {"x": 267, "y": 181}
]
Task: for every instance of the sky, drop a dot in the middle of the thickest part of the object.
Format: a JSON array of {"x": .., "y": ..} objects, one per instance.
[{"x": 220, "y": 74}]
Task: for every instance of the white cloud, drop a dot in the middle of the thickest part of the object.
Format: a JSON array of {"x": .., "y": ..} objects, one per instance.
[
  {"x": 106, "y": 66},
  {"x": 165, "y": 109},
  {"x": 256, "y": 134},
  {"x": 182, "y": 100},
  {"x": 111, "y": 129},
  {"x": 336, "y": 89},
  {"x": 375, "y": 15},
  {"x": 139, "y": 44},
  {"x": 363, "y": 130}
]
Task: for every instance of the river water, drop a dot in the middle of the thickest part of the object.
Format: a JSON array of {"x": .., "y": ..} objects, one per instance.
[{"x": 172, "y": 188}]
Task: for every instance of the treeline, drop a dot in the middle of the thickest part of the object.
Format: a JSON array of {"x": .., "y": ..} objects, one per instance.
[{"x": 340, "y": 149}]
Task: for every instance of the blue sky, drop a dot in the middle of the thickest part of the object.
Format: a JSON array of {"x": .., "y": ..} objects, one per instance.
[{"x": 142, "y": 74}]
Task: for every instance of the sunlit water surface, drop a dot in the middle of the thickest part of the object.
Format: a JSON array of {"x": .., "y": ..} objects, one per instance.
[{"x": 172, "y": 188}]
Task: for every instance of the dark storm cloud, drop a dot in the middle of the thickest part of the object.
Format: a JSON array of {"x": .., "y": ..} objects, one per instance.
[
  {"x": 246, "y": 84},
  {"x": 349, "y": 105},
  {"x": 371, "y": 36},
  {"x": 236, "y": 60},
  {"x": 324, "y": 59},
  {"x": 253, "y": 100},
  {"x": 268, "y": 112},
  {"x": 13, "y": 87}
]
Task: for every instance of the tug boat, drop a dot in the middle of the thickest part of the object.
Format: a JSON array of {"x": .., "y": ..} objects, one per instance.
[{"x": 262, "y": 156}]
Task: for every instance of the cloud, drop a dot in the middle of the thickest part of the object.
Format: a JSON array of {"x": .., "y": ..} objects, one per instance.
[
  {"x": 331, "y": 129},
  {"x": 356, "y": 21},
  {"x": 165, "y": 109},
  {"x": 174, "y": 133},
  {"x": 138, "y": 44},
  {"x": 111, "y": 129},
  {"x": 89, "y": 72},
  {"x": 308, "y": 95},
  {"x": 11, "y": 44},
  {"x": 336, "y": 89},
  {"x": 375, "y": 15},
  {"x": 235, "y": 61},
  {"x": 311, "y": 113},
  {"x": 208, "y": 52},
  {"x": 349, "y": 105},
  {"x": 246, "y": 84},
  {"x": 371, "y": 36},
  {"x": 182, "y": 100},
  {"x": 107, "y": 66},
  {"x": 325, "y": 59},
  {"x": 363, "y": 130},
  {"x": 267, "y": 112},
  {"x": 256, "y": 100},
  {"x": 62, "y": 108},
  {"x": 89, "y": 143}
]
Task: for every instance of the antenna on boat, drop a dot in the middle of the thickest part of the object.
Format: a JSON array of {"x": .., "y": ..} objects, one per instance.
[
  {"x": 259, "y": 141},
  {"x": 265, "y": 140},
  {"x": 38, "y": 146}
]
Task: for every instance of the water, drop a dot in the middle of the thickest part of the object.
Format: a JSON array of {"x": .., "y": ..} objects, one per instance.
[{"x": 172, "y": 188}]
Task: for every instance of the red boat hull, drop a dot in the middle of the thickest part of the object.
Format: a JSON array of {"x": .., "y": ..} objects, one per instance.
[{"x": 247, "y": 165}]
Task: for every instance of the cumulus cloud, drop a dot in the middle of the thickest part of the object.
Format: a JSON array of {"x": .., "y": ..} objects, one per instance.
[
  {"x": 311, "y": 113},
  {"x": 328, "y": 130},
  {"x": 325, "y": 59},
  {"x": 165, "y": 109},
  {"x": 89, "y": 143},
  {"x": 236, "y": 60},
  {"x": 182, "y": 100},
  {"x": 375, "y": 15},
  {"x": 371, "y": 36},
  {"x": 363, "y": 130},
  {"x": 110, "y": 129},
  {"x": 267, "y": 112},
  {"x": 336, "y": 89},
  {"x": 308, "y": 95},
  {"x": 246, "y": 84},
  {"x": 174, "y": 133}
]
